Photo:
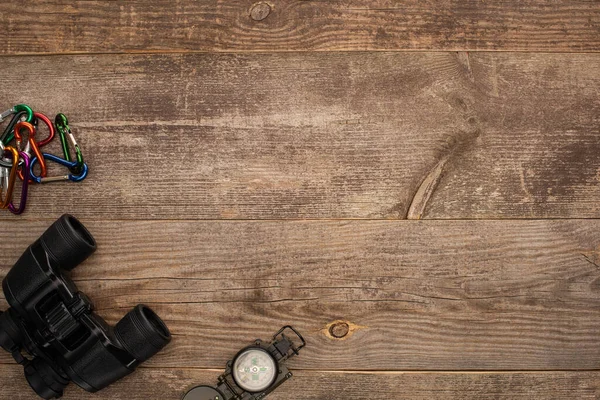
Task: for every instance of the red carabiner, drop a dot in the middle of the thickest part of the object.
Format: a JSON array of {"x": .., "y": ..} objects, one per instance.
[{"x": 50, "y": 126}]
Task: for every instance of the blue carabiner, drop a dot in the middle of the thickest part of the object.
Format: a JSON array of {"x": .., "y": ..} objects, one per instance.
[{"x": 61, "y": 161}]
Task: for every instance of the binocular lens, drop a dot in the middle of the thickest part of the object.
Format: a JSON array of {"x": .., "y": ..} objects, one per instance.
[
  {"x": 10, "y": 335},
  {"x": 142, "y": 333},
  {"x": 68, "y": 242},
  {"x": 44, "y": 380}
]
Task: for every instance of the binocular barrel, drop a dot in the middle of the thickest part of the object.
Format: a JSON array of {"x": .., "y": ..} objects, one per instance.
[
  {"x": 142, "y": 333},
  {"x": 68, "y": 242},
  {"x": 55, "y": 324},
  {"x": 63, "y": 246}
]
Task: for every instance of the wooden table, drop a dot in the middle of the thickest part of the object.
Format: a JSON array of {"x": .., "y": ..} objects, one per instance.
[{"x": 413, "y": 184}]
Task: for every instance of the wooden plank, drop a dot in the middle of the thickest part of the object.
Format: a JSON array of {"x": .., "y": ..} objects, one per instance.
[
  {"x": 339, "y": 135},
  {"x": 172, "y": 383},
  {"x": 416, "y": 295},
  {"x": 61, "y": 26}
]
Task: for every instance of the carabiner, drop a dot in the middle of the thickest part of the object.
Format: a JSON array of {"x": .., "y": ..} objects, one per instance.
[
  {"x": 18, "y": 109},
  {"x": 39, "y": 116},
  {"x": 8, "y": 133},
  {"x": 32, "y": 143},
  {"x": 12, "y": 177},
  {"x": 68, "y": 164},
  {"x": 24, "y": 187},
  {"x": 62, "y": 126}
]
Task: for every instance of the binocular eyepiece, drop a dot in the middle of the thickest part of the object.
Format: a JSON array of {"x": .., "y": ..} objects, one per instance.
[{"x": 54, "y": 324}]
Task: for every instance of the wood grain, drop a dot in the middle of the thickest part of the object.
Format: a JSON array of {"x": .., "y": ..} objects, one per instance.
[
  {"x": 172, "y": 383},
  {"x": 337, "y": 135},
  {"x": 329, "y": 110},
  {"x": 61, "y": 26},
  {"x": 418, "y": 295}
]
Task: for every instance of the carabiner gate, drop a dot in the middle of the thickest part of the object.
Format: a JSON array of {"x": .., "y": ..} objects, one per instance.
[
  {"x": 24, "y": 187},
  {"x": 6, "y": 114},
  {"x": 9, "y": 179},
  {"x": 64, "y": 131},
  {"x": 69, "y": 164},
  {"x": 19, "y": 110},
  {"x": 16, "y": 109},
  {"x": 31, "y": 143}
]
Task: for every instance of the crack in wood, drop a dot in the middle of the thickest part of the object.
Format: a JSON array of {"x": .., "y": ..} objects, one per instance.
[
  {"x": 460, "y": 142},
  {"x": 425, "y": 190},
  {"x": 590, "y": 261}
]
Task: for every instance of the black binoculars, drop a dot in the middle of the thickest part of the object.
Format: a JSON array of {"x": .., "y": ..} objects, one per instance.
[{"x": 54, "y": 324}]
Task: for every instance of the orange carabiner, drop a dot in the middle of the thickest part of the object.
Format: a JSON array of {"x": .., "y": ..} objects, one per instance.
[
  {"x": 11, "y": 178},
  {"x": 32, "y": 143}
]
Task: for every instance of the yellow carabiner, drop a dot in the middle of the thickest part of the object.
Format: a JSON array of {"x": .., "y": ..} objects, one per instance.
[{"x": 12, "y": 177}]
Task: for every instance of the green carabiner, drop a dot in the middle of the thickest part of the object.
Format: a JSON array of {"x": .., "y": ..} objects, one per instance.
[
  {"x": 62, "y": 126},
  {"x": 23, "y": 109}
]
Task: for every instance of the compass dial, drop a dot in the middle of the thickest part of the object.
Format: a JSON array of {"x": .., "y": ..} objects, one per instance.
[{"x": 254, "y": 370}]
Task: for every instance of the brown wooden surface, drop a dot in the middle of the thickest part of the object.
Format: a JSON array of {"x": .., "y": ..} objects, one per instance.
[
  {"x": 151, "y": 383},
  {"x": 430, "y": 295},
  {"x": 335, "y": 135},
  {"x": 61, "y": 26},
  {"x": 323, "y": 127}
]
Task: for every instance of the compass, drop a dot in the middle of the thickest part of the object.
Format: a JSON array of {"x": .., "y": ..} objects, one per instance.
[{"x": 254, "y": 369}]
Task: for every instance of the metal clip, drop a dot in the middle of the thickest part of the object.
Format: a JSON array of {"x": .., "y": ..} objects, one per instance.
[
  {"x": 69, "y": 164},
  {"x": 9, "y": 133},
  {"x": 24, "y": 187},
  {"x": 48, "y": 123},
  {"x": 6, "y": 114},
  {"x": 12, "y": 177},
  {"x": 4, "y": 175},
  {"x": 64, "y": 131},
  {"x": 21, "y": 109},
  {"x": 31, "y": 143}
]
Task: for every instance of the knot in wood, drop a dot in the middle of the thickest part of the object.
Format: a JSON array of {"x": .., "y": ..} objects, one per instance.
[
  {"x": 339, "y": 330},
  {"x": 260, "y": 11}
]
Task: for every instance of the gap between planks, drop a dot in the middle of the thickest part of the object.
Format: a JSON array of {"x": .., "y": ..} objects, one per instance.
[
  {"x": 384, "y": 372},
  {"x": 296, "y": 220},
  {"x": 288, "y": 52}
]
